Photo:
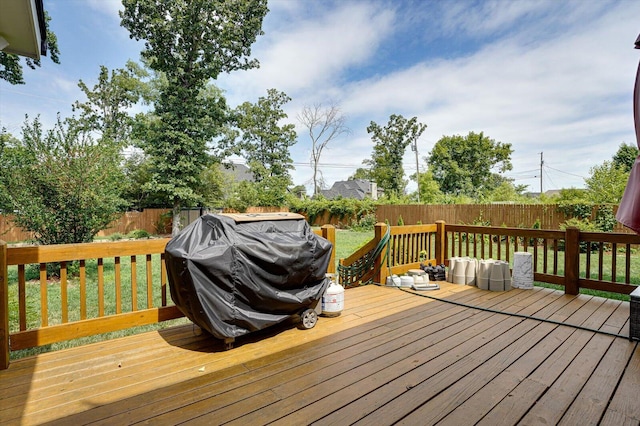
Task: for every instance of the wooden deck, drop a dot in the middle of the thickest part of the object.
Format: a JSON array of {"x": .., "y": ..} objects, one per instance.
[{"x": 391, "y": 357}]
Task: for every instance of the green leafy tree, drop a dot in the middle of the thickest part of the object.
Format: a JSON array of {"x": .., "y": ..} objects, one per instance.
[
  {"x": 469, "y": 165},
  {"x": 299, "y": 191},
  {"x": 9, "y": 159},
  {"x": 391, "y": 142},
  {"x": 606, "y": 183},
  {"x": 137, "y": 192},
  {"x": 264, "y": 141},
  {"x": 507, "y": 192},
  {"x": 11, "y": 65},
  {"x": 190, "y": 43},
  {"x": 626, "y": 156},
  {"x": 62, "y": 185},
  {"x": 361, "y": 174},
  {"x": 107, "y": 104},
  {"x": 429, "y": 189},
  {"x": 213, "y": 186}
]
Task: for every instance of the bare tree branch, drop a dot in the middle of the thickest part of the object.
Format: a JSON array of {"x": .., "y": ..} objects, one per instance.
[{"x": 323, "y": 126}]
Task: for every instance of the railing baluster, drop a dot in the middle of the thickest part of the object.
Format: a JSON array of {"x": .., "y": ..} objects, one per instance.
[
  {"x": 134, "y": 284},
  {"x": 163, "y": 279},
  {"x": 100, "y": 287},
  {"x": 600, "y": 261},
  {"x": 614, "y": 261},
  {"x": 22, "y": 297},
  {"x": 149, "y": 283},
  {"x": 627, "y": 264},
  {"x": 118, "y": 284},
  {"x": 555, "y": 257},
  {"x": 44, "y": 312},
  {"x": 83, "y": 289},
  {"x": 63, "y": 292},
  {"x": 545, "y": 260}
]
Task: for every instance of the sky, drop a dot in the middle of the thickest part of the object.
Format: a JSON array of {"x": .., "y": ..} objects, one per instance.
[{"x": 553, "y": 78}]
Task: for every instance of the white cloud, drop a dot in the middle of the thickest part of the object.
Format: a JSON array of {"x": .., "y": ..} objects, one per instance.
[
  {"x": 313, "y": 53},
  {"x": 109, "y": 8}
]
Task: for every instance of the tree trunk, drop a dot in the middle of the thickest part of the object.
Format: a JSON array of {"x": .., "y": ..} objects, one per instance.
[{"x": 175, "y": 226}]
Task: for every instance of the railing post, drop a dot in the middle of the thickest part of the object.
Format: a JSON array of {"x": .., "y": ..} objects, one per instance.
[
  {"x": 441, "y": 235},
  {"x": 379, "y": 275},
  {"x": 4, "y": 308},
  {"x": 329, "y": 233},
  {"x": 571, "y": 260}
]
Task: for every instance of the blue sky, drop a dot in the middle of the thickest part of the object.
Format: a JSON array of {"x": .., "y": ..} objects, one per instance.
[{"x": 545, "y": 76}]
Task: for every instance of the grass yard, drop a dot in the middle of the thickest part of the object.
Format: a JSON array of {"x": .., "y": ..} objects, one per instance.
[{"x": 348, "y": 242}]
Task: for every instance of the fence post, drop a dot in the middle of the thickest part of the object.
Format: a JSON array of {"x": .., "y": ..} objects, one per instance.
[
  {"x": 379, "y": 275},
  {"x": 441, "y": 235},
  {"x": 4, "y": 308},
  {"x": 329, "y": 233},
  {"x": 571, "y": 260}
]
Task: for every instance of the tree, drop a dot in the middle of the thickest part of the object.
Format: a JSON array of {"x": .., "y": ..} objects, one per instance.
[
  {"x": 62, "y": 185},
  {"x": 11, "y": 67},
  {"x": 507, "y": 192},
  {"x": 469, "y": 165},
  {"x": 105, "y": 109},
  {"x": 213, "y": 185},
  {"x": 429, "y": 189},
  {"x": 323, "y": 126},
  {"x": 361, "y": 174},
  {"x": 264, "y": 141},
  {"x": 391, "y": 142},
  {"x": 606, "y": 183},
  {"x": 190, "y": 43},
  {"x": 626, "y": 156}
]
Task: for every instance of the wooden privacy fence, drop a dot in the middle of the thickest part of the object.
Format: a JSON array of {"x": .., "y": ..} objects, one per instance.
[
  {"x": 119, "y": 285},
  {"x": 573, "y": 259},
  {"x": 154, "y": 221},
  {"x": 509, "y": 215}
]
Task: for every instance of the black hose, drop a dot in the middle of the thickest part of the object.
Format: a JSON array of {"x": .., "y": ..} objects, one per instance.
[{"x": 514, "y": 314}]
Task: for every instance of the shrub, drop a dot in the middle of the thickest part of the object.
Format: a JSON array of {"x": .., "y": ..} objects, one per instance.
[
  {"x": 584, "y": 225},
  {"x": 365, "y": 223},
  {"x": 116, "y": 236},
  {"x": 137, "y": 234}
]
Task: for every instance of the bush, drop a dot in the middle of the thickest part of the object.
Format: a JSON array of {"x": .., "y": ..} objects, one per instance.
[
  {"x": 138, "y": 234},
  {"x": 584, "y": 225},
  {"x": 605, "y": 219},
  {"x": 116, "y": 236},
  {"x": 365, "y": 223},
  {"x": 347, "y": 210}
]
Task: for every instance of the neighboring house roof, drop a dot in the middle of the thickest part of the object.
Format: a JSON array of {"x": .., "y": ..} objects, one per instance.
[
  {"x": 237, "y": 172},
  {"x": 358, "y": 189},
  {"x": 23, "y": 28}
]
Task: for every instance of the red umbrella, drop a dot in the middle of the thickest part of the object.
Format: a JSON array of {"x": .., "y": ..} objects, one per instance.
[{"x": 629, "y": 209}]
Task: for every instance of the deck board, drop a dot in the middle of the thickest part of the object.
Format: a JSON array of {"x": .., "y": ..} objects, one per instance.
[{"x": 391, "y": 357}]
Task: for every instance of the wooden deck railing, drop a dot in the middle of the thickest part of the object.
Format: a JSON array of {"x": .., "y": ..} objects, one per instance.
[
  {"x": 118, "y": 285},
  {"x": 573, "y": 259},
  {"x": 405, "y": 247}
]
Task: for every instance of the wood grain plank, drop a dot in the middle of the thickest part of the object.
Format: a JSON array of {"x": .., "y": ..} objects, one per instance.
[{"x": 625, "y": 398}]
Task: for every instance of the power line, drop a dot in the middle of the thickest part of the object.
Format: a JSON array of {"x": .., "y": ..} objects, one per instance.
[{"x": 566, "y": 173}]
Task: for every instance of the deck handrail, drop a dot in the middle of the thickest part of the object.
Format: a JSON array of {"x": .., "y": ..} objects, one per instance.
[
  {"x": 110, "y": 315},
  {"x": 561, "y": 257}
]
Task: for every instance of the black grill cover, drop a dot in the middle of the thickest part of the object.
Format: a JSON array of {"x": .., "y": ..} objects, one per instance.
[{"x": 234, "y": 274}]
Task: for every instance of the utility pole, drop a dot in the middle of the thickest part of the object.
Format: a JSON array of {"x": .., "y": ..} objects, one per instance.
[
  {"x": 541, "y": 163},
  {"x": 414, "y": 148}
]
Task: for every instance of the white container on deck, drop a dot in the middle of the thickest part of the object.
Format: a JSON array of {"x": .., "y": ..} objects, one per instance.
[{"x": 333, "y": 300}]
